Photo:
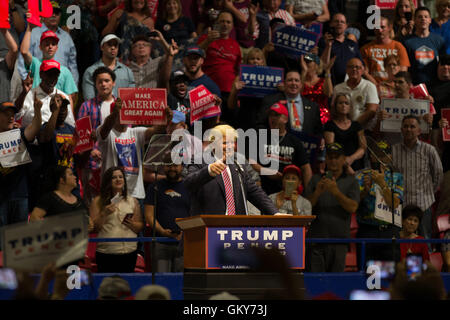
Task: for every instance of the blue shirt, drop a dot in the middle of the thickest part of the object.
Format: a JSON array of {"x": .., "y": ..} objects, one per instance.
[
  {"x": 443, "y": 31},
  {"x": 124, "y": 79},
  {"x": 65, "y": 55},
  {"x": 207, "y": 82}
]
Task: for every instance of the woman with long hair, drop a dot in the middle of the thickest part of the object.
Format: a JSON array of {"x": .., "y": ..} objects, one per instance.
[
  {"x": 404, "y": 18},
  {"x": 135, "y": 19},
  {"x": 343, "y": 130},
  {"x": 115, "y": 214},
  {"x": 173, "y": 25}
]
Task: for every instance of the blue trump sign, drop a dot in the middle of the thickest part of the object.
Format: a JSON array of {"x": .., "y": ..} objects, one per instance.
[
  {"x": 259, "y": 81},
  {"x": 315, "y": 27},
  {"x": 294, "y": 41},
  {"x": 231, "y": 247}
]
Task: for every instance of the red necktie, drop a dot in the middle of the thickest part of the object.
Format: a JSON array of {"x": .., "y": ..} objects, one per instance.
[
  {"x": 296, "y": 117},
  {"x": 228, "y": 193}
]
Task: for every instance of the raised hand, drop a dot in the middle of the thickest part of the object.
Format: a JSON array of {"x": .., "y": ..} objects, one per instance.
[
  {"x": 27, "y": 84},
  {"x": 37, "y": 103}
]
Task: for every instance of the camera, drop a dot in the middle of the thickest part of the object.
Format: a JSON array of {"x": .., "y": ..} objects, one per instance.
[{"x": 408, "y": 16}]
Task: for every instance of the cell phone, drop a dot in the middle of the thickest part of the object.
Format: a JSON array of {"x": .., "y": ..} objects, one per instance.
[
  {"x": 8, "y": 279},
  {"x": 153, "y": 34},
  {"x": 216, "y": 27},
  {"x": 414, "y": 267},
  {"x": 329, "y": 175},
  {"x": 85, "y": 278},
  {"x": 290, "y": 187},
  {"x": 127, "y": 216},
  {"x": 408, "y": 16},
  {"x": 332, "y": 31},
  {"x": 387, "y": 268},
  {"x": 369, "y": 295}
]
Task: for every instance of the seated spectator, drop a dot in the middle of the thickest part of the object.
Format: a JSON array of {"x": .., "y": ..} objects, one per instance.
[
  {"x": 246, "y": 106},
  {"x": 411, "y": 218},
  {"x": 149, "y": 72},
  {"x": 114, "y": 288},
  {"x": 134, "y": 19},
  {"x": 307, "y": 12},
  {"x": 7, "y": 65},
  {"x": 48, "y": 46},
  {"x": 386, "y": 88},
  {"x": 173, "y": 201},
  {"x": 334, "y": 197},
  {"x": 116, "y": 214},
  {"x": 348, "y": 133},
  {"x": 315, "y": 88},
  {"x": 65, "y": 53},
  {"x": 223, "y": 58},
  {"x": 404, "y": 18},
  {"x": 13, "y": 177},
  {"x": 289, "y": 200},
  {"x": 60, "y": 199},
  {"x": 375, "y": 51},
  {"x": 124, "y": 76}
]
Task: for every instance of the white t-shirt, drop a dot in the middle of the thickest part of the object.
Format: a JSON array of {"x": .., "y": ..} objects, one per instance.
[
  {"x": 124, "y": 149},
  {"x": 27, "y": 112},
  {"x": 365, "y": 92},
  {"x": 105, "y": 109}
]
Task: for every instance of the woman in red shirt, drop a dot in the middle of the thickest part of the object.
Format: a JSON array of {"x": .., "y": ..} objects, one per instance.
[{"x": 411, "y": 216}]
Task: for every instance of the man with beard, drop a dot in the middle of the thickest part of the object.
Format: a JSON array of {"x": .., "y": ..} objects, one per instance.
[{"x": 173, "y": 201}]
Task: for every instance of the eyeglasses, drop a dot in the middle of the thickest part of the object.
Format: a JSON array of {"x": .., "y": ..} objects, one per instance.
[{"x": 354, "y": 67}]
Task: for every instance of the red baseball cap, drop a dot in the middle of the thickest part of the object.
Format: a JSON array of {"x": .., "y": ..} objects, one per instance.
[
  {"x": 48, "y": 34},
  {"x": 279, "y": 108},
  {"x": 294, "y": 168},
  {"x": 49, "y": 64}
]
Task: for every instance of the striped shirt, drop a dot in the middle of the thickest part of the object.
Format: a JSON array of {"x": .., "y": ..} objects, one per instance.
[
  {"x": 146, "y": 76},
  {"x": 422, "y": 171},
  {"x": 284, "y": 15}
]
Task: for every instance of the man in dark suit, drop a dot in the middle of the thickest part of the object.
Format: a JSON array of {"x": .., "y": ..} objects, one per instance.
[
  {"x": 222, "y": 187},
  {"x": 304, "y": 118}
]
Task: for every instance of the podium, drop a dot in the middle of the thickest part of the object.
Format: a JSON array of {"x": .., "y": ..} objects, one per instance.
[{"x": 212, "y": 247}]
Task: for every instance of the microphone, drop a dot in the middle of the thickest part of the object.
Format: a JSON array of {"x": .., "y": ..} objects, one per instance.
[{"x": 240, "y": 169}]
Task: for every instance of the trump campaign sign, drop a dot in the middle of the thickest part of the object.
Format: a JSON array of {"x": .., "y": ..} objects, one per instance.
[
  {"x": 143, "y": 106},
  {"x": 259, "y": 80},
  {"x": 13, "y": 151},
  {"x": 203, "y": 104},
  {"x": 230, "y": 247},
  {"x": 399, "y": 108},
  {"x": 445, "y": 114},
  {"x": 83, "y": 129},
  {"x": 294, "y": 41},
  {"x": 30, "y": 246}
]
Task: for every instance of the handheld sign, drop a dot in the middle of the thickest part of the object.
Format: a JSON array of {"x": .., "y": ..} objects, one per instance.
[
  {"x": 143, "y": 106},
  {"x": 13, "y": 151},
  {"x": 83, "y": 129},
  {"x": 203, "y": 104},
  {"x": 399, "y": 108},
  {"x": 383, "y": 212},
  {"x": 4, "y": 14},
  {"x": 294, "y": 41},
  {"x": 315, "y": 27},
  {"x": 60, "y": 238},
  {"x": 259, "y": 81},
  {"x": 445, "y": 113},
  {"x": 39, "y": 8}
]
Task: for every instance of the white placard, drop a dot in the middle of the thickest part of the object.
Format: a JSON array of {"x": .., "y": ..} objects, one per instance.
[
  {"x": 30, "y": 246},
  {"x": 384, "y": 213},
  {"x": 399, "y": 108},
  {"x": 13, "y": 151}
]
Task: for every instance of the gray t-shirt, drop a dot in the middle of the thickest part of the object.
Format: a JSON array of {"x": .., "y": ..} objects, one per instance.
[
  {"x": 303, "y": 205},
  {"x": 5, "y": 81},
  {"x": 332, "y": 221}
]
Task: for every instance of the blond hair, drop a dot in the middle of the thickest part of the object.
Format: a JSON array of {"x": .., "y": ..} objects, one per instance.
[{"x": 222, "y": 130}]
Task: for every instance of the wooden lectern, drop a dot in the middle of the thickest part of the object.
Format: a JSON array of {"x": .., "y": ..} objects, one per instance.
[{"x": 201, "y": 280}]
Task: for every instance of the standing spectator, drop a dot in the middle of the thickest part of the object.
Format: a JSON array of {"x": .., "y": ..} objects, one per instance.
[
  {"x": 14, "y": 182},
  {"x": 178, "y": 95},
  {"x": 127, "y": 23},
  {"x": 307, "y": 12},
  {"x": 66, "y": 53},
  {"x": 385, "y": 88},
  {"x": 362, "y": 92},
  {"x": 292, "y": 203},
  {"x": 272, "y": 8},
  {"x": 7, "y": 65},
  {"x": 378, "y": 179},
  {"x": 124, "y": 76},
  {"x": 418, "y": 161},
  {"x": 246, "y": 26},
  {"x": 348, "y": 133},
  {"x": 48, "y": 46},
  {"x": 288, "y": 151},
  {"x": 223, "y": 57},
  {"x": 17, "y": 23},
  {"x": 116, "y": 214},
  {"x": 149, "y": 72},
  {"x": 334, "y": 197},
  {"x": 335, "y": 43},
  {"x": 375, "y": 51},
  {"x": 423, "y": 48},
  {"x": 173, "y": 201},
  {"x": 411, "y": 216},
  {"x": 439, "y": 24},
  {"x": 123, "y": 146},
  {"x": 404, "y": 18},
  {"x": 315, "y": 88}
]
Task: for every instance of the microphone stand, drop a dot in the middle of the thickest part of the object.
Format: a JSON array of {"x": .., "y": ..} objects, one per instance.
[
  {"x": 394, "y": 240},
  {"x": 240, "y": 173}
]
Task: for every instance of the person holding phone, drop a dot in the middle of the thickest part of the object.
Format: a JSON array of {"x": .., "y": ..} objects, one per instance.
[
  {"x": 403, "y": 18},
  {"x": 289, "y": 199},
  {"x": 411, "y": 217},
  {"x": 116, "y": 214}
]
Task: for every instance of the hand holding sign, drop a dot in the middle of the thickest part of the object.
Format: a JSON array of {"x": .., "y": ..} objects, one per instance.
[
  {"x": 4, "y": 14},
  {"x": 443, "y": 123}
]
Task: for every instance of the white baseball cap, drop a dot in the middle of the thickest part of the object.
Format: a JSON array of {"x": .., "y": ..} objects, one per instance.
[{"x": 110, "y": 37}]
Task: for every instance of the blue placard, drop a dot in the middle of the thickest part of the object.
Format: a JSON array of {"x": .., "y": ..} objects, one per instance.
[
  {"x": 315, "y": 27},
  {"x": 294, "y": 41},
  {"x": 259, "y": 81},
  {"x": 231, "y": 248}
]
